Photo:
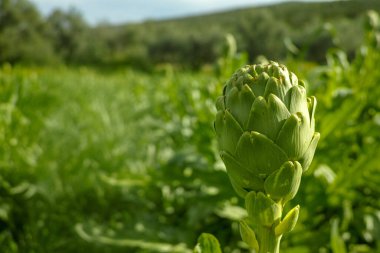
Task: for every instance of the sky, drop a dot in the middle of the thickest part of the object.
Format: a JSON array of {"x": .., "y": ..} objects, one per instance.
[{"x": 122, "y": 11}]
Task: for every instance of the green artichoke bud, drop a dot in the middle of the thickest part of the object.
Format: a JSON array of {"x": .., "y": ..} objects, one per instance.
[
  {"x": 265, "y": 130},
  {"x": 262, "y": 209},
  {"x": 283, "y": 183},
  {"x": 248, "y": 236},
  {"x": 289, "y": 222}
]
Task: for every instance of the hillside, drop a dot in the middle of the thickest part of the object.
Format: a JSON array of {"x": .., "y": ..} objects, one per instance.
[
  {"x": 309, "y": 29},
  {"x": 313, "y": 27}
]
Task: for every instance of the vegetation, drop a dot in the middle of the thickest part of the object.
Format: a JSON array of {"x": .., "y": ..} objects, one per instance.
[
  {"x": 97, "y": 159},
  {"x": 309, "y": 29}
]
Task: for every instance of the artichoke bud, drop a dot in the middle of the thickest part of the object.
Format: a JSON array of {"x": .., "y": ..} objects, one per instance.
[
  {"x": 289, "y": 222},
  {"x": 248, "y": 236},
  {"x": 207, "y": 243},
  {"x": 264, "y": 119},
  {"x": 309, "y": 154},
  {"x": 228, "y": 131},
  {"x": 240, "y": 176},
  {"x": 283, "y": 184},
  {"x": 220, "y": 104},
  {"x": 262, "y": 209}
]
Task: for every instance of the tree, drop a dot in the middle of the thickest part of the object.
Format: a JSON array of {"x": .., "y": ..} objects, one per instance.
[
  {"x": 21, "y": 33},
  {"x": 262, "y": 34},
  {"x": 68, "y": 31}
]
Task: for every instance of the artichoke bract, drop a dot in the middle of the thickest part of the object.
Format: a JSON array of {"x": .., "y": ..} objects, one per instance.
[{"x": 266, "y": 135}]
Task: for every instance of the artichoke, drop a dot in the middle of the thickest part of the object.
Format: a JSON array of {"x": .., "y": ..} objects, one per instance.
[{"x": 266, "y": 137}]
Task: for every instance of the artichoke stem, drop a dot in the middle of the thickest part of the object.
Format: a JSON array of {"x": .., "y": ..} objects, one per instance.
[{"x": 268, "y": 241}]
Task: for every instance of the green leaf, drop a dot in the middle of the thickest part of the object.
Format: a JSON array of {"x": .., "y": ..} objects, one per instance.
[
  {"x": 250, "y": 201},
  {"x": 248, "y": 236},
  {"x": 143, "y": 245},
  {"x": 276, "y": 87},
  {"x": 312, "y": 104},
  {"x": 258, "y": 68},
  {"x": 207, "y": 243},
  {"x": 276, "y": 71},
  {"x": 258, "y": 87},
  {"x": 293, "y": 79},
  {"x": 239, "y": 102},
  {"x": 284, "y": 183},
  {"x": 267, "y": 211},
  {"x": 298, "y": 102},
  {"x": 241, "y": 176},
  {"x": 295, "y": 136},
  {"x": 278, "y": 110},
  {"x": 267, "y": 117},
  {"x": 307, "y": 158},
  {"x": 263, "y": 210},
  {"x": 333, "y": 121},
  {"x": 259, "y": 154},
  {"x": 238, "y": 188},
  {"x": 289, "y": 222},
  {"x": 228, "y": 131},
  {"x": 287, "y": 78},
  {"x": 220, "y": 103},
  {"x": 337, "y": 243}
]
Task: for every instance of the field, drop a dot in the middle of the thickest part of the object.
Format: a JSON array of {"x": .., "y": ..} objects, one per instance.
[{"x": 126, "y": 161}]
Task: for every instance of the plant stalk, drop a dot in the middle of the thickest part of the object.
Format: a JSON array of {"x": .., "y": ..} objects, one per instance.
[{"x": 268, "y": 241}]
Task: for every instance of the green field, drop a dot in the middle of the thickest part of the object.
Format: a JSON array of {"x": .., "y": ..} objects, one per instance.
[{"x": 123, "y": 160}]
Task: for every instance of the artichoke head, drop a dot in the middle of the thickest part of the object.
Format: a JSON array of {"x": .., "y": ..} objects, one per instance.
[{"x": 265, "y": 130}]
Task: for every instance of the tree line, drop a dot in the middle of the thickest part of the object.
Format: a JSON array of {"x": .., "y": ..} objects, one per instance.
[{"x": 64, "y": 37}]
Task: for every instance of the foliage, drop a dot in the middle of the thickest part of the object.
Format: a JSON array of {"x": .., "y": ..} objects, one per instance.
[
  {"x": 22, "y": 25},
  {"x": 65, "y": 37},
  {"x": 104, "y": 160},
  {"x": 342, "y": 188},
  {"x": 207, "y": 243}
]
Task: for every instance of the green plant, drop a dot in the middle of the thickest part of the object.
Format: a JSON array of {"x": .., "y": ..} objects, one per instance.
[{"x": 266, "y": 137}]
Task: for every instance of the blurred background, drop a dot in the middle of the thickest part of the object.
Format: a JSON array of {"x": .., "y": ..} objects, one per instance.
[{"x": 106, "y": 122}]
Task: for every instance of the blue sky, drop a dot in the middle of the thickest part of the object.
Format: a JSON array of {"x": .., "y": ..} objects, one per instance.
[{"x": 119, "y": 11}]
